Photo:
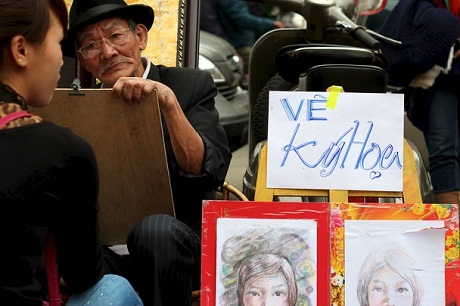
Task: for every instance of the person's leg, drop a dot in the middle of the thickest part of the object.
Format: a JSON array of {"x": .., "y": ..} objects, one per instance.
[
  {"x": 111, "y": 290},
  {"x": 245, "y": 54},
  {"x": 166, "y": 255},
  {"x": 443, "y": 143}
]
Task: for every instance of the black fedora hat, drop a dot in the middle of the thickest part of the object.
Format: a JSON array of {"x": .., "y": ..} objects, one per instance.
[{"x": 85, "y": 12}]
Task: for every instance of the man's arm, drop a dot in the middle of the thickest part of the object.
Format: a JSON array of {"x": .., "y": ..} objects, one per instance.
[{"x": 187, "y": 145}]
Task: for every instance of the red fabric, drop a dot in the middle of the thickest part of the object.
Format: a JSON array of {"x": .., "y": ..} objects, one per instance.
[
  {"x": 452, "y": 5},
  {"x": 54, "y": 298},
  {"x": 13, "y": 116}
]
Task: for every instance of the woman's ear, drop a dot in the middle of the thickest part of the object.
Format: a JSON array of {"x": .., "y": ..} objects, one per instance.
[
  {"x": 18, "y": 48},
  {"x": 142, "y": 36}
]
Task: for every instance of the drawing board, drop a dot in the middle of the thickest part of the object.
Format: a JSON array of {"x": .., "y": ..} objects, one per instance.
[{"x": 129, "y": 147}]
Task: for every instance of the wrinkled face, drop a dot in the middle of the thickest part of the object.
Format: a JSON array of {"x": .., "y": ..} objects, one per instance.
[
  {"x": 43, "y": 79},
  {"x": 266, "y": 291},
  {"x": 388, "y": 288},
  {"x": 115, "y": 60}
]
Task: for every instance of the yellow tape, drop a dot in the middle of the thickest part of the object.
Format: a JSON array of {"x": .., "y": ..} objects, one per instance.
[{"x": 333, "y": 96}]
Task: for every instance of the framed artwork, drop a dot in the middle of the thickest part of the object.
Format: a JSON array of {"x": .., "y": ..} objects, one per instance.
[
  {"x": 265, "y": 251},
  {"x": 402, "y": 254}
]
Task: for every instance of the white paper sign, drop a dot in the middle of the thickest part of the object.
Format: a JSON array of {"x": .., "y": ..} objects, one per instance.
[{"x": 348, "y": 141}]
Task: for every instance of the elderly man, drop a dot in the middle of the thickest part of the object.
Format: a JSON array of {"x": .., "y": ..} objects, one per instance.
[{"x": 107, "y": 37}]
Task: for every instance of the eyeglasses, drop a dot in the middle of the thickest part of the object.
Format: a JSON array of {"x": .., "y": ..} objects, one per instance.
[{"x": 93, "y": 49}]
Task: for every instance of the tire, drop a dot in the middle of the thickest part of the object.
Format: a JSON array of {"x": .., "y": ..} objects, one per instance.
[{"x": 259, "y": 119}]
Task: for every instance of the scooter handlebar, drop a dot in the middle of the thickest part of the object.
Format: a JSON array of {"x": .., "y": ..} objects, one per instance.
[
  {"x": 358, "y": 32},
  {"x": 323, "y": 14},
  {"x": 364, "y": 37}
]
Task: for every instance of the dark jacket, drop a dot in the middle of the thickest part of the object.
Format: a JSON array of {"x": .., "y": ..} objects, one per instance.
[
  {"x": 209, "y": 19},
  {"x": 195, "y": 91},
  {"x": 49, "y": 181},
  {"x": 427, "y": 34}
]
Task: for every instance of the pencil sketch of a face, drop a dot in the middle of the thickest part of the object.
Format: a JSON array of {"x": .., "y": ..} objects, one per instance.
[
  {"x": 397, "y": 262},
  {"x": 266, "y": 265},
  {"x": 388, "y": 277},
  {"x": 266, "y": 280}
]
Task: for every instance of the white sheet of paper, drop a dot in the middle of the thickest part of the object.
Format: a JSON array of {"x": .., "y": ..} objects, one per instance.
[
  {"x": 239, "y": 238},
  {"x": 423, "y": 241},
  {"x": 354, "y": 142}
]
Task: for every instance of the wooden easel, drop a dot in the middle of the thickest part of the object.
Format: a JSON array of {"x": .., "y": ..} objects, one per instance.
[{"x": 410, "y": 194}]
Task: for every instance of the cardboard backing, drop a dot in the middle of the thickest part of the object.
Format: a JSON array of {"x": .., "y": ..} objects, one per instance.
[{"x": 129, "y": 147}]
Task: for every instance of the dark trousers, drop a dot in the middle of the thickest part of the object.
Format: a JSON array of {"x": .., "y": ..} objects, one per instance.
[{"x": 163, "y": 263}]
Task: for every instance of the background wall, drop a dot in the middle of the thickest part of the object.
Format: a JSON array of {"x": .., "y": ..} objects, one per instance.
[{"x": 162, "y": 46}]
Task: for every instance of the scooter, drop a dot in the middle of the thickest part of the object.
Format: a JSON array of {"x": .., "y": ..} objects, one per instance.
[{"x": 331, "y": 50}]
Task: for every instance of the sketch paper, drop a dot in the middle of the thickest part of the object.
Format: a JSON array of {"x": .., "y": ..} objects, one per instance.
[
  {"x": 294, "y": 240},
  {"x": 421, "y": 241},
  {"x": 354, "y": 144}
]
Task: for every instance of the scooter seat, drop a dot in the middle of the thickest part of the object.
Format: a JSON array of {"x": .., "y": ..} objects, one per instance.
[
  {"x": 353, "y": 78},
  {"x": 291, "y": 61}
]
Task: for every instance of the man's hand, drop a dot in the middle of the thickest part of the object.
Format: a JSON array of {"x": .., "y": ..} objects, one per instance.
[
  {"x": 457, "y": 54},
  {"x": 134, "y": 89}
]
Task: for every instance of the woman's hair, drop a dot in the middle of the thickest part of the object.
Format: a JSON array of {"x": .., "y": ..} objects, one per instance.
[
  {"x": 397, "y": 260},
  {"x": 264, "y": 265},
  {"x": 29, "y": 18}
]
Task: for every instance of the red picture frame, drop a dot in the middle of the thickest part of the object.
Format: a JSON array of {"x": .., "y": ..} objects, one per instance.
[
  {"x": 448, "y": 213},
  {"x": 213, "y": 210}
]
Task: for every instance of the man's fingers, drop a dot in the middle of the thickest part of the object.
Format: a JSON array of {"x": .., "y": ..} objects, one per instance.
[{"x": 133, "y": 90}]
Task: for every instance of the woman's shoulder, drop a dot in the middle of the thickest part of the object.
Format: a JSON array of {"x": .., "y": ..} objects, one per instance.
[{"x": 61, "y": 138}]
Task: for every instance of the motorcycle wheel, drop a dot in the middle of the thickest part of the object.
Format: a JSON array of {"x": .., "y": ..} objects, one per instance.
[{"x": 259, "y": 119}]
